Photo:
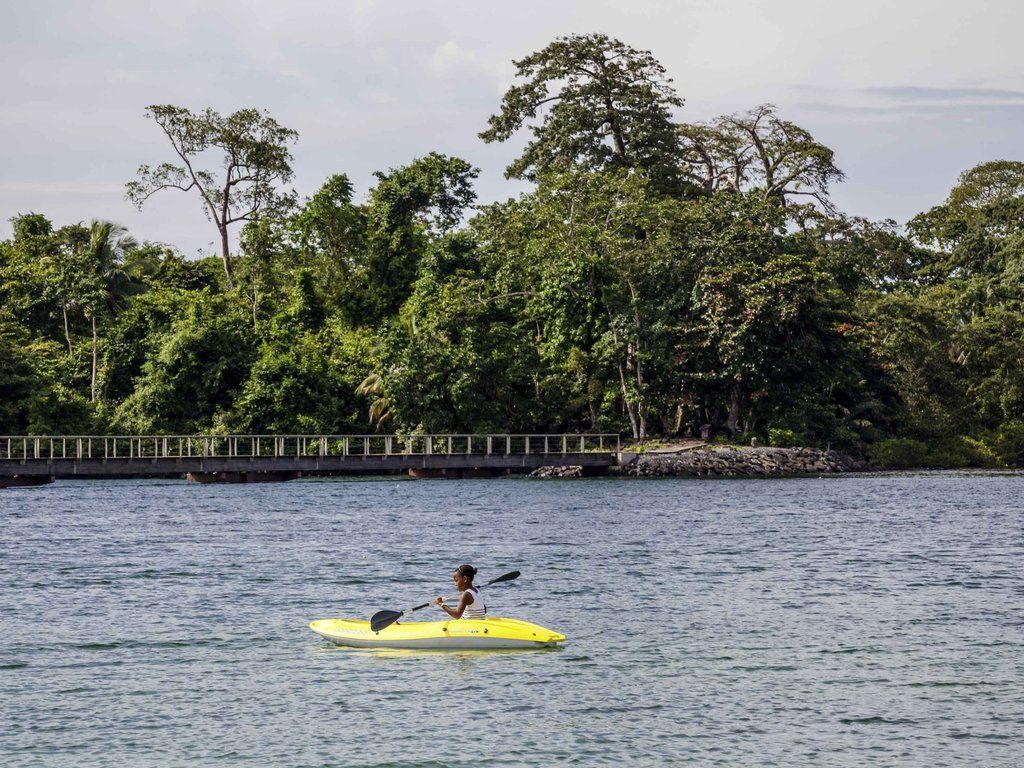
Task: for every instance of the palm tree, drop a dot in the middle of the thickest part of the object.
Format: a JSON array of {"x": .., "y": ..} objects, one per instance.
[
  {"x": 109, "y": 244},
  {"x": 380, "y": 406}
]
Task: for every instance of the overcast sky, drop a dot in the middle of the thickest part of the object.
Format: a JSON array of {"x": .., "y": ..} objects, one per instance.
[{"x": 909, "y": 93}]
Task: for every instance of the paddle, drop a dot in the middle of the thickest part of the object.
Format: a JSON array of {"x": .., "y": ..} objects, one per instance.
[{"x": 382, "y": 619}]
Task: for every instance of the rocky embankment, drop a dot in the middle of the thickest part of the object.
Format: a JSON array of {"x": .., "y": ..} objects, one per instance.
[
  {"x": 729, "y": 461},
  {"x": 548, "y": 472},
  {"x": 725, "y": 461}
]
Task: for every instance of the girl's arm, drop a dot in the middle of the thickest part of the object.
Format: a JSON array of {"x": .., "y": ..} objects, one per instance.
[{"x": 456, "y": 613}]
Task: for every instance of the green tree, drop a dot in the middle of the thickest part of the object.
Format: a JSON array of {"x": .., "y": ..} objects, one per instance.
[
  {"x": 595, "y": 102},
  {"x": 254, "y": 155},
  {"x": 760, "y": 151},
  {"x": 306, "y": 372},
  {"x": 192, "y": 377},
  {"x": 109, "y": 281},
  {"x": 330, "y": 232},
  {"x": 454, "y": 361},
  {"x": 409, "y": 208}
]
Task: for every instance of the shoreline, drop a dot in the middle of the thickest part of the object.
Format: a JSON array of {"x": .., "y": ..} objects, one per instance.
[{"x": 723, "y": 461}]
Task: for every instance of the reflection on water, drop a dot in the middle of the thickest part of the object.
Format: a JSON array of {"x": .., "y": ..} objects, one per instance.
[
  {"x": 841, "y": 621},
  {"x": 468, "y": 654}
]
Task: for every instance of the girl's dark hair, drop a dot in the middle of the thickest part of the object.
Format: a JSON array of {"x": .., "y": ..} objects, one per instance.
[{"x": 466, "y": 570}]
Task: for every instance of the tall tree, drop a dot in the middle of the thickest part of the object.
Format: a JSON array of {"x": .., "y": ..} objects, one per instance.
[
  {"x": 592, "y": 101},
  {"x": 410, "y": 207},
  {"x": 758, "y": 150},
  {"x": 111, "y": 283},
  {"x": 977, "y": 234},
  {"x": 254, "y": 157},
  {"x": 69, "y": 278}
]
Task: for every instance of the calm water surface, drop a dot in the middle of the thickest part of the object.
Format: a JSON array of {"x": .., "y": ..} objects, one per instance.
[{"x": 845, "y": 621}]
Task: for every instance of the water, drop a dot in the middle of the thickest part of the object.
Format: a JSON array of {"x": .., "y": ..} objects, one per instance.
[{"x": 843, "y": 621}]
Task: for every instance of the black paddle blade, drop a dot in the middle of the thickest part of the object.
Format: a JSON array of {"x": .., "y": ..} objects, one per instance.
[
  {"x": 382, "y": 619},
  {"x": 506, "y": 577}
]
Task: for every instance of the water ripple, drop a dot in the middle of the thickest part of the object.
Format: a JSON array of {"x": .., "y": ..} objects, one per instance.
[{"x": 841, "y": 621}]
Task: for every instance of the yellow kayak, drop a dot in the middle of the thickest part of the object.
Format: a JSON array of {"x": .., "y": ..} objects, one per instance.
[{"x": 453, "y": 634}]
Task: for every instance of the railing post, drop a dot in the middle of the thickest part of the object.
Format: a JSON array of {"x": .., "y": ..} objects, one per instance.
[
  {"x": 344, "y": 446},
  {"x": 527, "y": 439},
  {"x": 582, "y": 446},
  {"x": 488, "y": 445},
  {"x": 563, "y": 445},
  {"x": 366, "y": 445},
  {"x": 430, "y": 445},
  {"x": 508, "y": 444},
  {"x": 469, "y": 444}
]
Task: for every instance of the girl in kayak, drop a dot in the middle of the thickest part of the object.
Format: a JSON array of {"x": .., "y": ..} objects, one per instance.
[{"x": 471, "y": 605}]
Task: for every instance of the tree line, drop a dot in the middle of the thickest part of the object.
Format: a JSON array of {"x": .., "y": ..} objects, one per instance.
[{"x": 658, "y": 278}]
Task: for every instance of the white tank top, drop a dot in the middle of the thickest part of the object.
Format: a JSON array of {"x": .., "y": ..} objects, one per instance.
[{"x": 477, "y": 609}]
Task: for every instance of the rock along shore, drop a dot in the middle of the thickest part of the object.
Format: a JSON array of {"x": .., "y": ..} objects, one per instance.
[
  {"x": 726, "y": 461},
  {"x": 730, "y": 461}
]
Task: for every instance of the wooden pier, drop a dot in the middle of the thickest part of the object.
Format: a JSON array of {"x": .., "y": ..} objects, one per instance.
[{"x": 35, "y": 459}]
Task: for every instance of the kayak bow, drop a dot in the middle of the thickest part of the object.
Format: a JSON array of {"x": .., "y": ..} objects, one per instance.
[{"x": 453, "y": 634}]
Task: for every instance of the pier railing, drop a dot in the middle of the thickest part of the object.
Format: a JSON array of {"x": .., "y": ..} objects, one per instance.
[{"x": 82, "y": 447}]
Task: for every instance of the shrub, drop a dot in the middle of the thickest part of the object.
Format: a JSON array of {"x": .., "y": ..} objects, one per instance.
[
  {"x": 957, "y": 452},
  {"x": 899, "y": 453},
  {"x": 784, "y": 438},
  {"x": 1009, "y": 443},
  {"x": 950, "y": 453}
]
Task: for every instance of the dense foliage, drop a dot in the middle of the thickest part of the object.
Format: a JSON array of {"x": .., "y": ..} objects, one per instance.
[{"x": 657, "y": 279}]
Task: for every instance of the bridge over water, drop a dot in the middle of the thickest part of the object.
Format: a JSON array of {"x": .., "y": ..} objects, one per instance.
[{"x": 35, "y": 459}]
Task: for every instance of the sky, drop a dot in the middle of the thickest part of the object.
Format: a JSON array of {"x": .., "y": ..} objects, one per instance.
[{"x": 909, "y": 94}]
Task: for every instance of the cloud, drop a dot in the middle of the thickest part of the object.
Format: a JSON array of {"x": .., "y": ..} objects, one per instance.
[
  {"x": 451, "y": 60},
  {"x": 902, "y": 101},
  {"x": 922, "y": 93},
  {"x": 369, "y": 85}
]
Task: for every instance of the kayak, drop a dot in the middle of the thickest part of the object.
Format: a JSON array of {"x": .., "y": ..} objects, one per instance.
[{"x": 455, "y": 634}]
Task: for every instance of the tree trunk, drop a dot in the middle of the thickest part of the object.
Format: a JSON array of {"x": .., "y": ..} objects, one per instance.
[
  {"x": 92, "y": 396},
  {"x": 678, "y": 424},
  {"x": 618, "y": 143},
  {"x": 225, "y": 253},
  {"x": 630, "y": 409},
  {"x": 735, "y": 403},
  {"x": 633, "y": 350},
  {"x": 67, "y": 329}
]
